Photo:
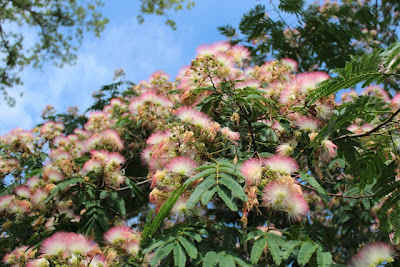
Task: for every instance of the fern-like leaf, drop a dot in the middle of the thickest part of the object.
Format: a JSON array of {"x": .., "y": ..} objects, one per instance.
[
  {"x": 305, "y": 253},
  {"x": 376, "y": 66}
]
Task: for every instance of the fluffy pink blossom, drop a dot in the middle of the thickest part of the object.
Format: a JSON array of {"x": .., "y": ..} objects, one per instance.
[
  {"x": 253, "y": 83},
  {"x": 282, "y": 164},
  {"x": 307, "y": 82},
  {"x": 61, "y": 140},
  {"x": 239, "y": 53},
  {"x": 39, "y": 196},
  {"x": 354, "y": 128},
  {"x": 118, "y": 234},
  {"x": 19, "y": 255},
  {"x": 157, "y": 137},
  {"x": 115, "y": 179},
  {"x": 329, "y": 149},
  {"x": 284, "y": 195},
  {"x": 56, "y": 244},
  {"x": 376, "y": 90},
  {"x": 116, "y": 102},
  {"x": 284, "y": 149},
  {"x": 98, "y": 261},
  {"x": 19, "y": 207},
  {"x": 192, "y": 116},
  {"x": 82, "y": 134},
  {"x": 54, "y": 176},
  {"x": 230, "y": 135},
  {"x": 63, "y": 242},
  {"x": 367, "y": 127},
  {"x": 5, "y": 202},
  {"x": 182, "y": 165},
  {"x": 131, "y": 247},
  {"x": 307, "y": 124},
  {"x": 79, "y": 244},
  {"x": 180, "y": 207},
  {"x": 113, "y": 139},
  {"x": 145, "y": 155},
  {"x": 296, "y": 206},
  {"x": 57, "y": 154},
  {"x": 98, "y": 121},
  {"x": 373, "y": 254},
  {"x": 33, "y": 181},
  {"x": 221, "y": 47},
  {"x": 275, "y": 194},
  {"x": 252, "y": 171},
  {"x": 114, "y": 159},
  {"x": 92, "y": 165},
  {"x": 158, "y": 76},
  {"x": 23, "y": 191},
  {"x": 291, "y": 64}
]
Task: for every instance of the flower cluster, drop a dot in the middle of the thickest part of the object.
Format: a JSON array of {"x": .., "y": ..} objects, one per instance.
[
  {"x": 255, "y": 117},
  {"x": 281, "y": 192},
  {"x": 77, "y": 250}
]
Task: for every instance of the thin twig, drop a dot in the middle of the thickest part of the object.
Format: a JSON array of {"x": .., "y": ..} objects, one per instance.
[
  {"x": 145, "y": 181},
  {"x": 347, "y": 136},
  {"x": 337, "y": 194}
]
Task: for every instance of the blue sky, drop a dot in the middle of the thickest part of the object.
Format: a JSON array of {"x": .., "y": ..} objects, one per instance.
[{"x": 138, "y": 49}]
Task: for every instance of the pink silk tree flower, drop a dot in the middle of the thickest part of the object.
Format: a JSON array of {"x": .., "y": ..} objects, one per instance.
[
  {"x": 181, "y": 165},
  {"x": 282, "y": 164},
  {"x": 252, "y": 171},
  {"x": 373, "y": 255}
]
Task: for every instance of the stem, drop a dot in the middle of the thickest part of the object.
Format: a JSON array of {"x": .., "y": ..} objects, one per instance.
[
  {"x": 347, "y": 136},
  {"x": 337, "y": 194}
]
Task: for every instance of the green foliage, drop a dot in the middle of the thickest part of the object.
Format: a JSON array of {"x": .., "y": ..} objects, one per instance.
[
  {"x": 291, "y": 6},
  {"x": 153, "y": 225},
  {"x": 162, "y": 7},
  {"x": 220, "y": 177},
  {"x": 314, "y": 183},
  {"x": 282, "y": 250},
  {"x": 56, "y": 44},
  {"x": 309, "y": 216},
  {"x": 363, "y": 107},
  {"x": 320, "y": 36},
  {"x": 179, "y": 241},
  {"x": 110, "y": 91},
  {"x": 377, "y": 66},
  {"x": 387, "y": 187},
  {"x": 223, "y": 259}
]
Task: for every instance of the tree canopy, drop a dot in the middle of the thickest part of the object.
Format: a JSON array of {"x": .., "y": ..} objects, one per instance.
[
  {"x": 228, "y": 165},
  {"x": 60, "y": 26},
  {"x": 319, "y": 36},
  {"x": 232, "y": 163}
]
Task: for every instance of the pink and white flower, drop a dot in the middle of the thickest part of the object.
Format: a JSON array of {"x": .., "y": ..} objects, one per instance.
[
  {"x": 307, "y": 124},
  {"x": 329, "y": 149},
  {"x": 182, "y": 165},
  {"x": 252, "y": 171},
  {"x": 284, "y": 194},
  {"x": 230, "y": 135},
  {"x": 373, "y": 254},
  {"x": 56, "y": 244},
  {"x": 192, "y": 116},
  {"x": 23, "y": 191},
  {"x": 118, "y": 234},
  {"x": 282, "y": 164}
]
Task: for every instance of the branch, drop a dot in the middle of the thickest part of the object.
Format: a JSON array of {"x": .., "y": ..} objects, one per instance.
[
  {"x": 347, "y": 136},
  {"x": 337, "y": 194}
]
